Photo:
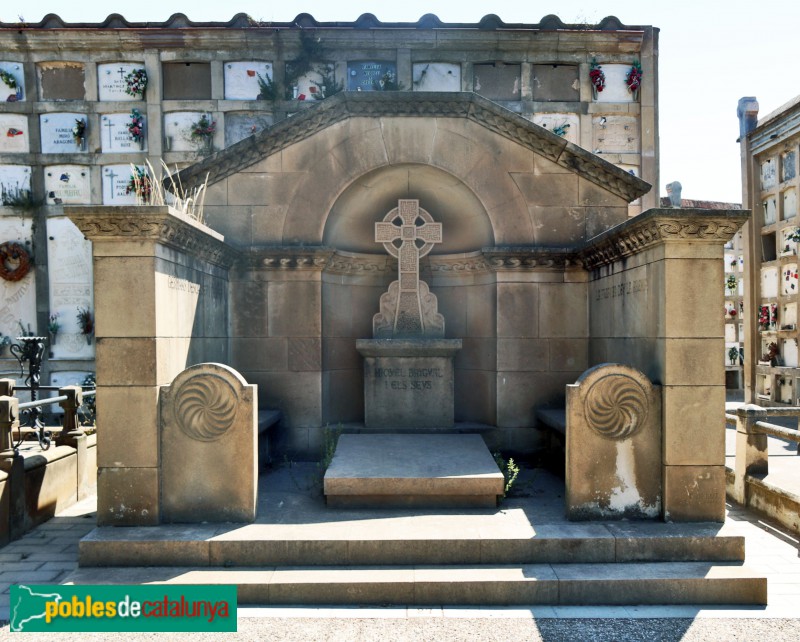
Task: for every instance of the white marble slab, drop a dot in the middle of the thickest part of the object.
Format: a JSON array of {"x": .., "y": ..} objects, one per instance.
[
  {"x": 17, "y": 298},
  {"x": 615, "y": 134},
  {"x": 14, "y": 181},
  {"x": 554, "y": 121},
  {"x": 7, "y": 94},
  {"x": 14, "y": 135},
  {"x": 616, "y": 90},
  {"x": 67, "y": 184},
  {"x": 241, "y": 78},
  {"x": 111, "y": 83},
  {"x": 436, "y": 76},
  {"x": 240, "y": 125},
  {"x": 114, "y": 135},
  {"x": 178, "y": 131},
  {"x": 789, "y": 204},
  {"x": 115, "y": 181},
  {"x": 56, "y": 132},
  {"x": 70, "y": 274},
  {"x": 769, "y": 282}
]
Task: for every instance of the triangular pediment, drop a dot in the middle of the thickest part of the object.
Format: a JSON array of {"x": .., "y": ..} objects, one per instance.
[{"x": 470, "y": 106}]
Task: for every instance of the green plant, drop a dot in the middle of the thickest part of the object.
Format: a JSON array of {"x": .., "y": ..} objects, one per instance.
[
  {"x": 509, "y": 469},
  {"x": 731, "y": 282},
  {"x": 267, "y": 89},
  {"x": 8, "y": 79},
  {"x": 387, "y": 82},
  {"x": 23, "y": 331},
  {"x": 16, "y": 197},
  {"x": 327, "y": 85},
  {"x": 733, "y": 354},
  {"x": 85, "y": 321}
]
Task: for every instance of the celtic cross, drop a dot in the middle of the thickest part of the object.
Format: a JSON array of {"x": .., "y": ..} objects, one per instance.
[{"x": 417, "y": 233}]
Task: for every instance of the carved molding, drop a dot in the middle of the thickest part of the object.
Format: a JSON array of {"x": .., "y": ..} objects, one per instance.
[
  {"x": 415, "y": 104},
  {"x": 288, "y": 258},
  {"x": 662, "y": 225},
  {"x": 455, "y": 266},
  {"x": 361, "y": 264},
  {"x": 528, "y": 259},
  {"x": 156, "y": 224},
  {"x": 205, "y": 407}
]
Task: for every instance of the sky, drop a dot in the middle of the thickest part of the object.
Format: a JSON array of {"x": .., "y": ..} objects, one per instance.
[{"x": 711, "y": 53}]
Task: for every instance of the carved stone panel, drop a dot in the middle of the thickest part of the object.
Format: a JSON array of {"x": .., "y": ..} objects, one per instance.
[
  {"x": 241, "y": 79},
  {"x": 497, "y": 81},
  {"x": 67, "y": 184},
  {"x": 613, "y": 467},
  {"x": 208, "y": 418},
  {"x": 115, "y": 136},
  {"x": 14, "y": 134}
]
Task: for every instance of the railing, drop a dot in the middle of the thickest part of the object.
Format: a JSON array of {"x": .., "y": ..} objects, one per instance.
[{"x": 752, "y": 456}]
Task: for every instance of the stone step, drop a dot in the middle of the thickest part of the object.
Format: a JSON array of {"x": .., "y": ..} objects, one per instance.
[
  {"x": 412, "y": 470},
  {"x": 563, "y": 584},
  {"x": 431, "y": 539}
]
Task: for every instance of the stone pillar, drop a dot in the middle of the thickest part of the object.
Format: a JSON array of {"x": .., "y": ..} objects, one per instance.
[
  {"x": 160, "y": 284},
  {"x": 72, "y": 434},
  {"x": 12, "y": 501},
  {"x": 751, "y": 449}
]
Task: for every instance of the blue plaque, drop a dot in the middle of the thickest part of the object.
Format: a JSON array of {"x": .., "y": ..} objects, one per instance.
[{"x": 372, "y": 76}]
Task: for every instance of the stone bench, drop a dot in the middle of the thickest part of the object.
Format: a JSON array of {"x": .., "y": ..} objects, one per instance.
[{"x": 266, "y": 420}]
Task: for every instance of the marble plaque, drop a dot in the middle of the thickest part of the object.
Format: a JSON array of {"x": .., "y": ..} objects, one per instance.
[
  {"x": 770, "y": 210},
  {"x": 17, "y": 298},
  {"x": 615, "y": 134},
  {"x": 14, "y": 134},
  {"x": 789, "y": 354},
  {"x": 436, "y": 76},
  {"x": 570, "y": 123},
  {"x": 769, "y": 282},
  {"x": 370, "y": 75},
  {"x": 616, "y": 90},
  {"x": 178, "y": 131},
  {"x": 789, "y": 278},
  {"x": 788, "y": 166},
  {"x": 241, "y": 79},
  {"x": 9, "y": 94},
  {"x": 768, "y": 173},
  {"x": 114, "y": 135},
  {"x": 56, "y": 133},
  {"x": 15, "y": 182},
  {"x": 115, "y": 181},
  {"x": 67, "y": 184},
  {"x": 240, "y": 125},
  {"x": 789, "y": 204},
  {"x": 311, "y": 86},
  {"x": 70, "y": 274},
  {"x": 111, "y": 83},
  {"x": 497, "y": 81},
  {"x": 730, "y": 333}
]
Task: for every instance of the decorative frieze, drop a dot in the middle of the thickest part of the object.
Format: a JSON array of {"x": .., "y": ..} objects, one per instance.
[
  {"x": 514, "y": 258},
  {"x": 287, "y": 258}
]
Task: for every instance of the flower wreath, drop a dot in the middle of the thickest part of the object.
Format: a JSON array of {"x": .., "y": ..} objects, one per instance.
[{"x": 15, "y": 252}]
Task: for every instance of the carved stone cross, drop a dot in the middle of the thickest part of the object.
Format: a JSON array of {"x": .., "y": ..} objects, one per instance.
[{"x": 416, "y": 240}]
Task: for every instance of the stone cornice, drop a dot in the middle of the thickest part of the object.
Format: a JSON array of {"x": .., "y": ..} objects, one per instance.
[
  {"x": 421, "y": 105},
  {"x": 528, "y": 259},
  {"x": 662, "y": 226},
  {"x": 158, "y": 224},
  {"x": 314, "y": 258}
]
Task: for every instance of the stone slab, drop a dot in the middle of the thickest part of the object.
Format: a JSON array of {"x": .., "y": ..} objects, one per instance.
[{"x": 393, "y": 469}]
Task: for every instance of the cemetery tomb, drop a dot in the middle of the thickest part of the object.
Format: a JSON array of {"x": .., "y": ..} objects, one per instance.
[
  {"x": 186, "y": 80},
  {"x": 555, "y": 83},
  {"x": 240, "y": 125},
  {"x": 768, "y": 174},
  {"x": 789, "y": 165},
  {"x": 115, "y": 136},
  {"x": 15, "y": 184},
  {"x": 111, "y": 81},
  {"x": 67, "y": 184},
  {"x": 313, "y": 85},
  {"x": 565, "y": 125},
  {"x": 615, "y": 134},
  {"x": 498, "y": 81},
  {"x": 178, "y": 131},
  {"x": 769, "y": 282},
  {"x": 57, "y": 132},
  {"x": 770, "y": 210},
  {"x": 788, "y": 246},
  {"x": 61, "y": 80},
  {"x": 789, "y": 355},
  {"x": 371, "y": 75},
  {"x": 241, "y": 79},
  {"x": 616, "y": 89},
  {"x": 789, "y": 204},
  {"x": 788, "y": 319},
  {"x": 14, "y": 134},
  {"x": 17, "y": 78},
  {"x": 789, "y": 281},
  {"x": 436, "y": 76},
  {"x": 17, "y": 297},
  {"x": 116, "y": 179}
]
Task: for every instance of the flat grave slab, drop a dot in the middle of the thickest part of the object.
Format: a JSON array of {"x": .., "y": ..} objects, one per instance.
[{"x": 396, "y": 470}]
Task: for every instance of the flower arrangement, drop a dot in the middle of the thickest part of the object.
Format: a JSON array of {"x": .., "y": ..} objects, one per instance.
[
  {"x": 730, "y": 311},
  {"x": 634, "y": 78},
  {"x": 763, "y": 317},
  {"x": 733, "y": 355},
  {"x": 140, "y": 184},
  {"x": 79, "y": 131},
  {"x": 204, "y": 128},
  {"x": 53, "y": 325},
  {"x": 86, "y": 322},
  {"x": 771, "y": 354},
  {"x": 387, "y": 82},
  {"x": 136, "y": 126},
  {"x": 731, "y": 282},
  {"x": 8, "y": 79},
  {"x": 597, "y": 76},
  {"x": 136, "y": 83},
  {"x": 561, "y": 130}
]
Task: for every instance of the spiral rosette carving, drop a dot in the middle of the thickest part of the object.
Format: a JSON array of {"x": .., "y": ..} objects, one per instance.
[
  {"x": 616, "y": 406},
  {"x": 205, "y": 407}
]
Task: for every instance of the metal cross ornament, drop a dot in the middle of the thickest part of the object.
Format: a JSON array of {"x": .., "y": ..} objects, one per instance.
[{"x": 417, "y": 233}]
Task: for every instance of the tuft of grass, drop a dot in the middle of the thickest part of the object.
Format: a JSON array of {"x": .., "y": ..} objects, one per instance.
[
  {"x": 509, "y": 469},
  {"x": 188, "y": 202}
]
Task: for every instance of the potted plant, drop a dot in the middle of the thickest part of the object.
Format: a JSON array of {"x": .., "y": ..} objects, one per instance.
[
  {"x": 79, "y": 134},
  {"x": 597, "y": 77},
  {"x": 633, "y": 79},
  {"x": 136, "y": 83},
  {"x": 733, "y": 355},
  {"x": 86, "y": 323},
  {"x": 203, "y": 132},
  {"x": 53, "y": 326},
  {"x": 136, "y": 127}
]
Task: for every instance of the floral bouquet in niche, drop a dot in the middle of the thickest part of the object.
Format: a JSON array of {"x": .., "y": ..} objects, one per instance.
[
  {"x": 86, "y": 323},
  {"x": 136, "y": 83},
  {"x": 140, "y": 184},
  {"x": 597, "y": 77},
  {"x": 203, "y": 131},
  {"x": 634, "y": 79},
  {"x": 79, "y": 131},
  {"x": 136, "y": 126}
]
